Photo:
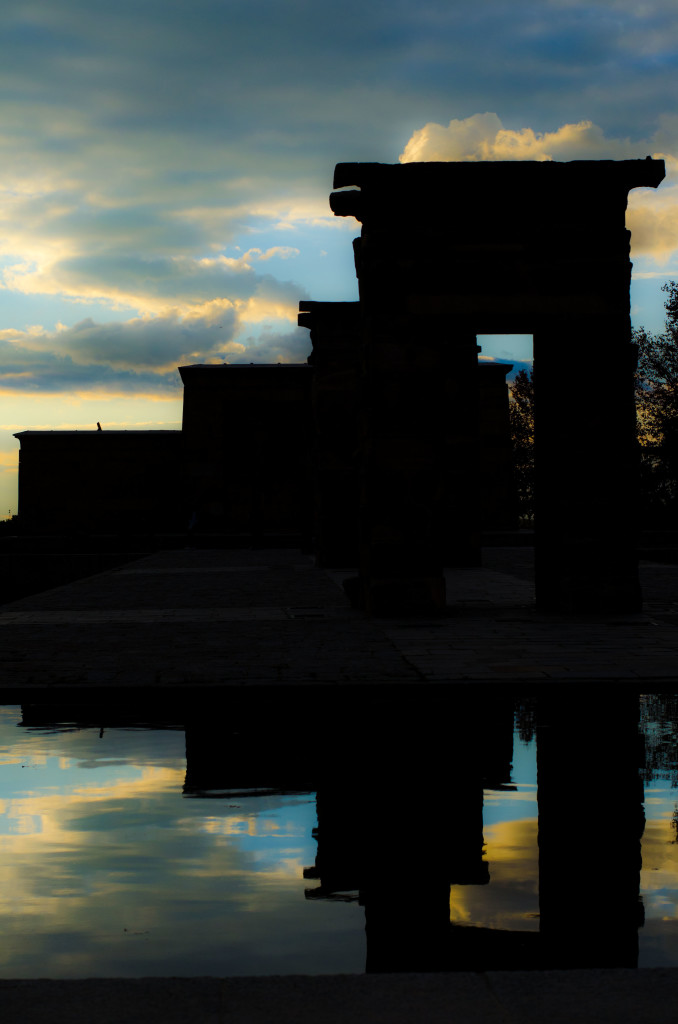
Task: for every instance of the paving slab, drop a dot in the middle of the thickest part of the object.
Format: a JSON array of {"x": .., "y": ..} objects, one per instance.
[
  {"x": 519, "y": 997},
  {"x": 270, "y": 618}
]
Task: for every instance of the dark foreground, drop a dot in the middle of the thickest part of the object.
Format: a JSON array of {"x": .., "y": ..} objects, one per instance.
[
  {"x": 180, "y": 621},
  {"x": 619, "y": 996}
]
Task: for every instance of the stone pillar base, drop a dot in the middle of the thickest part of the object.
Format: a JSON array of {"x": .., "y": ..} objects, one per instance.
[{"x": 417, "y": 595}]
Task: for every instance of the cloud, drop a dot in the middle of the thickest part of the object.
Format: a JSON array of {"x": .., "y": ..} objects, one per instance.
[
  {"x": 483, "y": 137},
  {"x": 167, "y": 160},
  {"x": 141, "y": 354},
  {"x": 8, "y": 462},
  {"x": 194, "y": 310},
  {"x": 153, "y": 282},
  {"x": 652, "y": 217},
  {"x": 131, "y": 356},
  {"x": 273, "y": 347}
]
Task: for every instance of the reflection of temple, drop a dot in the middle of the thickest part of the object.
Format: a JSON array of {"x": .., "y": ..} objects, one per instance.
[
  {"x": 591, "y": 822},
  {"x": 401, "y": 831},
  {"x": 400, "y": 814}
]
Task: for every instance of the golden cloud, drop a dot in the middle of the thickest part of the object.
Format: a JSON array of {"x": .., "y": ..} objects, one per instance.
[
  {"x": 652, "y": 216},
  {"x": 483, "y": 137}
]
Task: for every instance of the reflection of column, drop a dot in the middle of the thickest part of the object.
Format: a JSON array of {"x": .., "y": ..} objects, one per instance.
[
  {"x": 400, "y": 819},
  {"x": 424, "y": 835},
  {"x": 239, "y": 748},
  {"x": 590, "y": 826}
]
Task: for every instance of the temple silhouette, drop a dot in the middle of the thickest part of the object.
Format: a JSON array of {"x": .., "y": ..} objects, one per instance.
[{"x": 389, "y": 450}]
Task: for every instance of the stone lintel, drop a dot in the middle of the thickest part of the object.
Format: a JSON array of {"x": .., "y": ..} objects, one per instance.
[
  {"x": 626, "y": 174},
  {"x": 493, "y": 199}
]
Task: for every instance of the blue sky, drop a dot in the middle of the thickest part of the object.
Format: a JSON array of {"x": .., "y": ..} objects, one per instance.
[{"x": 165, "y": 167}]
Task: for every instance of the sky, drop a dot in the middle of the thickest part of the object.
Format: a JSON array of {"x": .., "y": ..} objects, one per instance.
[{"x": 165, "y": 167}]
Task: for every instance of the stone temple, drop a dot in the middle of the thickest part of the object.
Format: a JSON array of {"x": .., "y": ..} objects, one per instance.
[{"x": 389, "y": 450}]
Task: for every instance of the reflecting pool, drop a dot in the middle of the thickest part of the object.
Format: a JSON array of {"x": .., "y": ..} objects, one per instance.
[
  {"x": 106, "y": 869},
  {"x": 517, "y": 837}
]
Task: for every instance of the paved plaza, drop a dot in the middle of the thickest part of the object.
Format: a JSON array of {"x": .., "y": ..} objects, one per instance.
[
  {"x": 496, "y": 997},
  {"x": 270, "y": 617}
]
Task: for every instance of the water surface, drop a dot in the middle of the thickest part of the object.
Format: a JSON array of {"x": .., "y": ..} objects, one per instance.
[{"x": 112, "y": 864}]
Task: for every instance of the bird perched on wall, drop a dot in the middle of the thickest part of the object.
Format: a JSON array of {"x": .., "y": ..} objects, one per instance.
[{"x": 98, "y": 425}]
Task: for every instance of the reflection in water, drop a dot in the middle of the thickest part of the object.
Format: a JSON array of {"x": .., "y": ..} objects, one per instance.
[
  {"x": 107, "y": 870},
  {"x": 445, "y": 839}
]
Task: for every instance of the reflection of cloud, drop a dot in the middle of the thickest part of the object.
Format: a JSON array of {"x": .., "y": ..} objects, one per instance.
[
  {"x": 659, "y": 888},
  {"x": 134, "y": 879},
  {"x": 511, "y": 899},
  {"x": 59, "y": 812},
  {"x": 525, "y": 793},
  {"x": 110, "y": 871},
  {"x": 659, "y": 878}
]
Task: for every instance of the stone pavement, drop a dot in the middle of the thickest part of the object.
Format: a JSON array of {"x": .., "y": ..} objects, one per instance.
[
  {"x": 270, "y": 618},
  {"x": 495, "y": 997}
]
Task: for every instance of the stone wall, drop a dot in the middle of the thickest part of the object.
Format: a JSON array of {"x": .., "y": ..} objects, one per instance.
[
  {"x": 246, "y": 440},
  {"x": 99, "y": 481}
]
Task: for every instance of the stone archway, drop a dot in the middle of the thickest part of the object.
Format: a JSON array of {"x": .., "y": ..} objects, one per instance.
[{"x": 450, "y": 250}]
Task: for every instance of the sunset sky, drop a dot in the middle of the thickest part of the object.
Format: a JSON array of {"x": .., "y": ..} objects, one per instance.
[{"x": 165, "y": 167}]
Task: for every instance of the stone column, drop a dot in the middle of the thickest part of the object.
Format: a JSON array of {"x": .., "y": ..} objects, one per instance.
[
  {"x": 335, "y": 359},
  {"x": 418, "y": 398},
  {"x": 586, "y": 469},
  {"x": 585, "y": 448}
]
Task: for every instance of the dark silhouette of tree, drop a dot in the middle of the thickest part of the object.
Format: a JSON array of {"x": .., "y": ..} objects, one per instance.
[
  {"x": 521, "y": 417},
  {"x": 657, "y": 407}
]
